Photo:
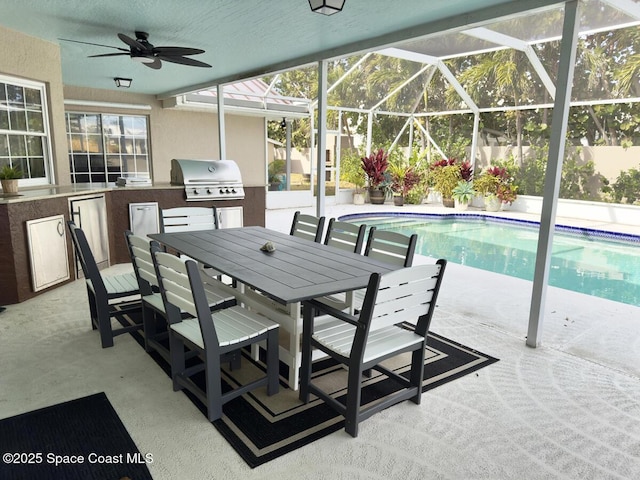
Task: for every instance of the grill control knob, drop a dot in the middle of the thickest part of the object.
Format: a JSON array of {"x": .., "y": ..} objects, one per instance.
[
  {"x": 196, "y": 191},
  {"x": 221, "y": 191},
  {"x": 233, "y": 190},
  {"x": 209, "y": 192},
  {"x": 227, "y": 191}
]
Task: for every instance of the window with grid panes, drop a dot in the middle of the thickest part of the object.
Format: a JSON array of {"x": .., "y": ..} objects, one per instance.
[
  {"x": 24, "y": 133},
  {"x": 103, "y": 147}
]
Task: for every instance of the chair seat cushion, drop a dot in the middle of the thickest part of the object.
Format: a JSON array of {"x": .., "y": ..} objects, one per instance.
[
  {"x": 233, "y": 325},
  {"x": 338, "y": 336}
]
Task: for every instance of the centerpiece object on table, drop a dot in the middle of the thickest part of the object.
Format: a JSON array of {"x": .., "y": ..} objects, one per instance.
[{"x": 375, "y": 165}]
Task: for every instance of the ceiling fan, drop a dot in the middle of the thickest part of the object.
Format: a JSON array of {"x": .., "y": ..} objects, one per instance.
[{"x": 144, "y": 52}]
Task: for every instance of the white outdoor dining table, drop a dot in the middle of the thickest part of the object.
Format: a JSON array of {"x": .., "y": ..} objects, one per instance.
[{"x": 297, "y": 270}]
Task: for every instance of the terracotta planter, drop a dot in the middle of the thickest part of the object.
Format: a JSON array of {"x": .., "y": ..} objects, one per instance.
[
  {"x": 9, "y": 186},
  {"x": 448, "y": 202},
  {"x": 376, "y": 196}
]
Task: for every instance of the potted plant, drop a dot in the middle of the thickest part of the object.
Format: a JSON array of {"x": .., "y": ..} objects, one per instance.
[
  {"x": 446, "y": 175},
  {"x": 403, "y": 179},
  {"x": 496, "y": 184},
  {"x": 9, "y": 177},
  {"x": 276, "y": 176},
  {"x": 351, "y": 171},
  {"x": 374, "y": 166},
  {"x": 463, "y": 193}
]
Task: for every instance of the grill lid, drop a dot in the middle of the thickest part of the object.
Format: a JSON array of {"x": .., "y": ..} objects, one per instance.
[{"x": 208, "y": 179}]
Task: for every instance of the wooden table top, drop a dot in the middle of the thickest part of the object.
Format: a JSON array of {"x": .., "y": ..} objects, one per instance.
[{"x": 296, "y": 271}]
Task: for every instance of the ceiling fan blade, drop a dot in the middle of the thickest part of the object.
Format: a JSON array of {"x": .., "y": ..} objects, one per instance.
[
  {"x": 131, "y": 42},
  {"x": 176, "y": 51},
  {"x": 156, "y": 64},
  {"x": 95, "y": 44},
  {"x": 184, "y": 61},
  {"x": 109, "y": 55}
]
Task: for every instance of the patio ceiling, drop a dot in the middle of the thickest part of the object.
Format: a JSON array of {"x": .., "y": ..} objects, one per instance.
[{"x": 242, "y": 39}]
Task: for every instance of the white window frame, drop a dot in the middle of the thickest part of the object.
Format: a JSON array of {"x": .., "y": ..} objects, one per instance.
[
  {"x": 104, "y": 138},
  {"x": 49, "y": 177}
]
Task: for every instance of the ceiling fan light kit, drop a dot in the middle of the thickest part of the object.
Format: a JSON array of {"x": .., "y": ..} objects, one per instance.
[{"x": 326, "y": 7}]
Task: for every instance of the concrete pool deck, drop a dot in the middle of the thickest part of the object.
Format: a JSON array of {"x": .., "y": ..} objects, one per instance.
[{"x": 569, "y": 409}]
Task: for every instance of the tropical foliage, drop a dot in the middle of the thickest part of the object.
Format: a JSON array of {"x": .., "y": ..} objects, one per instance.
[
  {"x": 607, "y": 67},
  {"x": 374, "y": 166}
]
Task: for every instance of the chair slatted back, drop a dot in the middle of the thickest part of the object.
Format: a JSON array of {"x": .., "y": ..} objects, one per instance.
[
  {"x": 182, "y": 287},
  {"x": 87, "y": 260},
  {"x": 344, "y": 235},
  {"x": 184, "y": 219},
  {"x": 403, "y": 295},
  {"x": 307, "y": 226},
  {"x": 140, "y": 251},
  {"x": 174, "y": 282},
  {"x": 391, "y": 247}
]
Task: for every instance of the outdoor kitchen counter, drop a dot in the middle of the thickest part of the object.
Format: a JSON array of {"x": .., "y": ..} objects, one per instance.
[
  {"x": 35, "y": 203},
  {"x": 51, "y": 191}
]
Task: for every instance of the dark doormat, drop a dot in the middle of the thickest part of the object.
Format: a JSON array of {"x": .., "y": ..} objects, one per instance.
[
  {"x": 262, "y": 428},
  {"x": 81, "y": 439}
]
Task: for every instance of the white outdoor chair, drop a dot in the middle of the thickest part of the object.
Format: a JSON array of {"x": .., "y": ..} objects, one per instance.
[
  {"x": 186, "y": 219},
  {"x": 154, "y": 317},
  {"x": 361, "y": 343},
  {"x": 211, "y": 334}
]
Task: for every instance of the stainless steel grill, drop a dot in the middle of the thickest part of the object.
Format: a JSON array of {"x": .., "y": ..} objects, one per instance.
[{"x": 208, "y": 179}]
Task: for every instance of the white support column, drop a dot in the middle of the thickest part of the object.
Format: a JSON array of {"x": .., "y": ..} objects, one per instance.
[
  {"x": 554, "y": 170},
  {"x": 312, "y": 175},
  {"x": 288, "y": 153},
  {"x": 222, "y": 147},
  {"x": 322, "y": 135},
  {"x": 338, "y": 155},
  {"x": 474, "y": 140}
]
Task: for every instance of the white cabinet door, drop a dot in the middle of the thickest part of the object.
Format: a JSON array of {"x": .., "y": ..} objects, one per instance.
[
  {"x": 47, "y": 251},
  {"x": 230, "y": 217}
]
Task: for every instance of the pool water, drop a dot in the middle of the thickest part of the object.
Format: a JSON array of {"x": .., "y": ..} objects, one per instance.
[{"x": 598, "y": 263}]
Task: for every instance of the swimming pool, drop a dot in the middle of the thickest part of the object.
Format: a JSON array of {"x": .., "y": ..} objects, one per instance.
[{"x": 595, "y": 262}]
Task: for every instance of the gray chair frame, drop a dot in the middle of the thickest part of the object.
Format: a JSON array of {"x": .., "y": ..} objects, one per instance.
[
  {"x": 362, "y": 342},
  {"x": 213, "y": 335},
  {"x": 104, "y": 291},
  {"x": 307, "y": 226}
]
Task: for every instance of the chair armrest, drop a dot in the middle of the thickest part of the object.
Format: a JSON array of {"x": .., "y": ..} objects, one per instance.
[{"x": 334, "y": 312}]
